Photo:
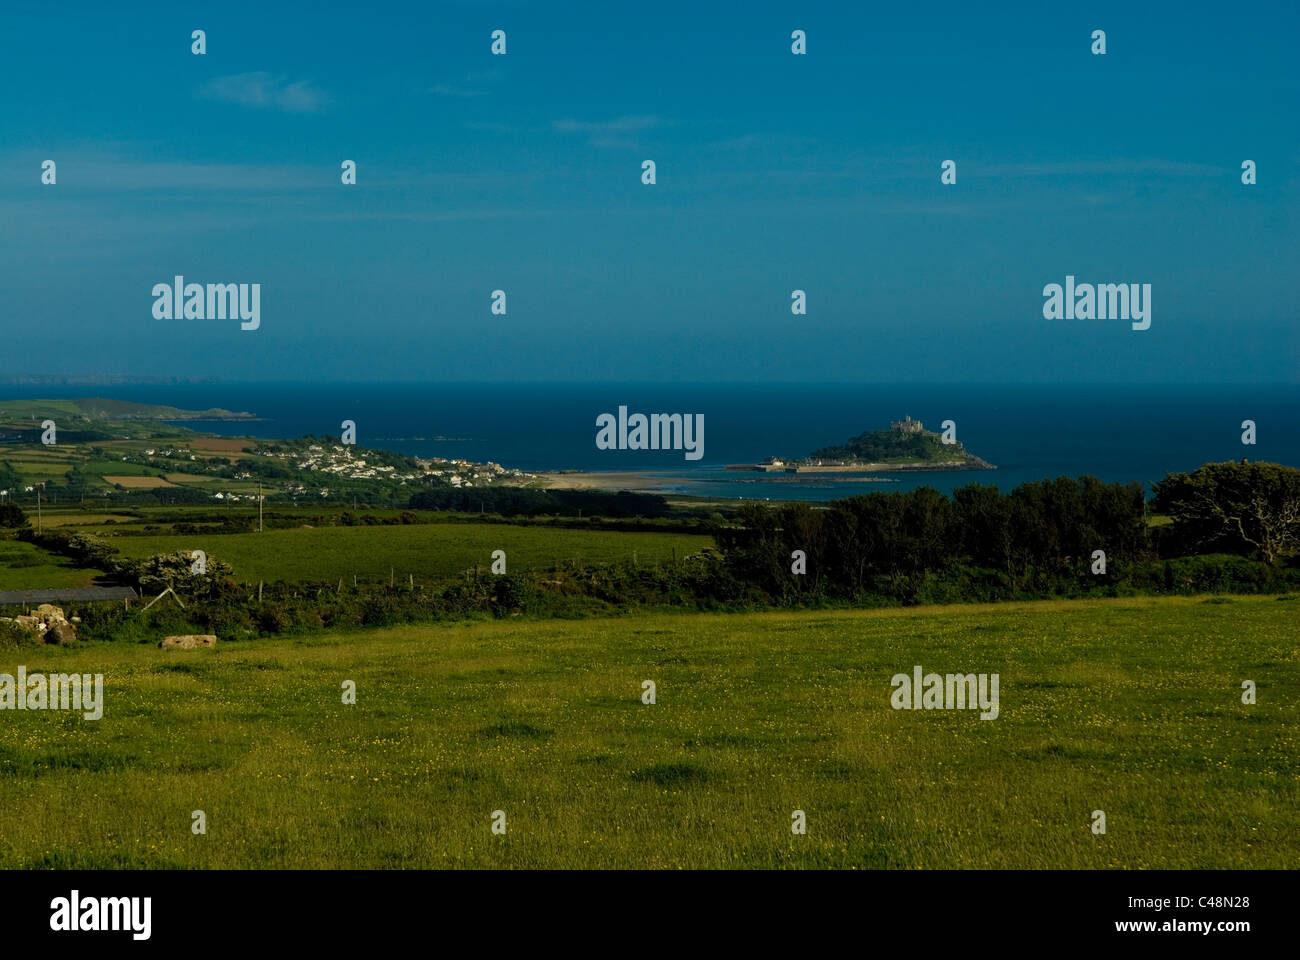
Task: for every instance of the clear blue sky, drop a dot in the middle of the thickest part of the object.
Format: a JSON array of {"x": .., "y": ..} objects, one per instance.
[{"x": 775, "y": 172}]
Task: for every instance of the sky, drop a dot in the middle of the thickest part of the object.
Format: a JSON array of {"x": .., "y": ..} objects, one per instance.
[{"x": 775, "y": 173}]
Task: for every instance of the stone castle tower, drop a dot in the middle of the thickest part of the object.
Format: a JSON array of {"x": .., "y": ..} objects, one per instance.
[{"x": 906, "y": 425}]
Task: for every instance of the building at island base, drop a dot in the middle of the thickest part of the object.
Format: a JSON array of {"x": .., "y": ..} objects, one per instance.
[{"x": 809, "y": 465}]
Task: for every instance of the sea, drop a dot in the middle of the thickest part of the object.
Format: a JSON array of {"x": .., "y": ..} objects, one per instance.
[{"x": 1136, "y": 433}]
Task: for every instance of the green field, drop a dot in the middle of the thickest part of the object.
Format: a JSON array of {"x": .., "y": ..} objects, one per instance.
[
  {"x": 119, "y": 468},
  {"x": 50, "y": 518},
  {"x": 27, "y": 567},
  {"x": 1128, "y": 706},
  {"x": 36, "y": 470},
  {"x": 429, "y": 550}
]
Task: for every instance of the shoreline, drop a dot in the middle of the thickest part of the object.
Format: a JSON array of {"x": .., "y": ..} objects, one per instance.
[
  {"x": 605, "y": 480},
  {"x": 798, "y": 468},
  {"x": 649, "y": 481}
]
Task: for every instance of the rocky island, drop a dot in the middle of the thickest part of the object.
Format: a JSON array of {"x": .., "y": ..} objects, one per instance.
[{"x": 905, "y": 446}]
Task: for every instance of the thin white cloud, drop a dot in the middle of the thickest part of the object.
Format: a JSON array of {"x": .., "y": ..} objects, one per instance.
[
  {"x": 748, "y": 141},
  {"x": 626, "y": 124},
  {"x": 1077, "y": 168},
  {"x": 452, "y": 90},
  {"x": 618, "y": 133},
  {"x": 470, "y": 85},
  {"x": 266, "y": 91}
]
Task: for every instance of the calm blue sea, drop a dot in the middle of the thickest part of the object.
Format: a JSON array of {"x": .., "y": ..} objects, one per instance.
[{"x": 1117, "y": 433}]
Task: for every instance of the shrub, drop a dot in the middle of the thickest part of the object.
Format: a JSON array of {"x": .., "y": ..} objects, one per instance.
[
  {"x": 153, "y": 575},
  {"x": 11, "y": 515},
  {"x": 13, "y": 636},
  {"x": 230, "y": 622},
  {"x": 276, "y": 618}
]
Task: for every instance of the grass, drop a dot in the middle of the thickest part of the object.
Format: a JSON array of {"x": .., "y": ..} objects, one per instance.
[
  {"x": 38, "y": 471},
  {"x": 24, "y": 566},
  {"x": 36, "y": 462},
  {"x": 137, "y": 482},
  {"x": 51, "y": 518},
  {"x": 419, "y": 550},
  {"x": 1128, "y": 706},
  {"x": 119, "y": 468}
]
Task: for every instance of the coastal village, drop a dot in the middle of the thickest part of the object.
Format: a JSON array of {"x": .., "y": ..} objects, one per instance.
[
  {"x": 350, "y": 463},
  {"x": 341, "y": 461},
  {"x": 148, "y": 455}
]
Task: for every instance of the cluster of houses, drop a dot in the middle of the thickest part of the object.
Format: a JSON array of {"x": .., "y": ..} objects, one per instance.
[
  {"x": 338, "y": 460},
  {"x": 341, "y": 461},
  {"x": 463, "y": 473},
  {"x": 346, "y": 462},
  {"x": 170, "y": 452}
]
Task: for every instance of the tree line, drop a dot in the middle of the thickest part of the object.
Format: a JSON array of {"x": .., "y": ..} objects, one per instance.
[{"x": 1045, "y": 537}]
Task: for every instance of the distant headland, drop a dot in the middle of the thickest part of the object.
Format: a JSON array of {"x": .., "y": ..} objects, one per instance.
[
  {"x": 905, "y": 446},
  {"x": 98, "y": 408}
]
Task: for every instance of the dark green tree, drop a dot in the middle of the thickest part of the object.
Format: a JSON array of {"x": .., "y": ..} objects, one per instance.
[{"x": 1243, "y": 507}]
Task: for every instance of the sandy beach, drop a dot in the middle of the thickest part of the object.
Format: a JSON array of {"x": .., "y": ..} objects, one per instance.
[
  {"x": 638, "y": 480},
  {"x": 607, "y": 480}
]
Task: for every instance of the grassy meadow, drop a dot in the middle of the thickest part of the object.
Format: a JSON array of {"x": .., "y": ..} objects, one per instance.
[
  {"x": 1128, "y": 706},
  {"x": 419, "y": 550},
  {"x": 24, "y": 566}
]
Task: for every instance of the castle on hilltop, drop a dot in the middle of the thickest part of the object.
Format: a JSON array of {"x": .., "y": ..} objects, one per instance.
[{"x": 906, "y": 425}]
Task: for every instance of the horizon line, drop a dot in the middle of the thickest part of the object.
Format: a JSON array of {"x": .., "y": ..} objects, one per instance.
[{"x": 110, "y": 381}]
